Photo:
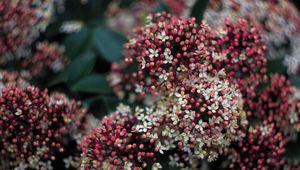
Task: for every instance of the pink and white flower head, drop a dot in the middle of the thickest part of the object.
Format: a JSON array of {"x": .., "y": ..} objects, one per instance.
[
  {"x": 47, "y": 56},
  {"x": 277, "y": 103},
  {"x": 262, "y": 148},
  {"x": 169, "y": 49},
  {"x": 117, "y": 143},
  {"x": 20, "y": 24},
  {"x": 35, "y": 126},
  {"x": 278, "y": 21}
]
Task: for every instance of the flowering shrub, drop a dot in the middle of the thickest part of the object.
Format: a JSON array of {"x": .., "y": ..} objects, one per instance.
[
  {"x": 262, "y": 148},
  {"x": 198, "y": 93},
  {"x": 17, "y": 35},
  {"x": 47, "y": 56},
  {"x": 35, "y": 126},
  {"x": 278, "y": 22}
]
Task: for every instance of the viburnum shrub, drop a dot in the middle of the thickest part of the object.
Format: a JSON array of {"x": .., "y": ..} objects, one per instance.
[
  {"x": 277, "y": 103},
  {"x": 16, "y": 34},
  {"x": 170, "y": 49},
  {"x": 208, "y": 82},
  {"x": 278, "y": 21},
  {"x": 35, "y": 126},
  {"x": 116, "y": 144},
  {"x": 262, "y": 148}
]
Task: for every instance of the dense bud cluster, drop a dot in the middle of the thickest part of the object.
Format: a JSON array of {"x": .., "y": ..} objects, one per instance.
[
  {"x": 20, "y": 24},
  {"x": 262, "y": 148},
  {"x": 278, "y": 21},
  {"x": 35, "y": 126},
  {"x": 276, "y": 103},
  {"x": 47, "y": 56},
  {"x": 13, "y": 78},
  {"x": 115, "y": 144},
  {"x": 170, "y": 50}
]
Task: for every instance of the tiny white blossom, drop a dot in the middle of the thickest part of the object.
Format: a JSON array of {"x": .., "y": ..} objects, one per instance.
[
  {"x": 265, "y": 130},
  {"x": 214, "y": 107},
  {"x": 143, "y": 63},
  {"x": 293, "y": 117},
  {"x": 153, "y": 53},
  {"x": 161, "y": 148},
  {"x": 164, "y": 75},
  {"x": 163, "y": 37},
  {"x": 156, "y": 166}
]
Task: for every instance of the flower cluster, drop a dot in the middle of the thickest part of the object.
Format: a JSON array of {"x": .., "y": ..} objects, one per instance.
[
  {"x": 276, "y": 104},
  {"x": 262, "y": 148},
  {"x": 13, "y": 78},
  {"x": 278, "y": 21},
  {"x": 16, "y": 34},
  {"x": 35, "y": 126},
  {"x": 170, "y": 49},
  {"x": 47, "y": 56},
  {"x": 115, "y": 144}
]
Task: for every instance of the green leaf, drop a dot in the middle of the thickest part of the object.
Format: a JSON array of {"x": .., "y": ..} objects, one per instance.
[
  {"x": 93, "y": 84},
  {"x": 109, "y": 43},
  {"x": 81, "y": 66},
  {"x": 276, "y": 66},
  {"x": 199, "y": 9},
  {"x": 60, "y": 78},
  {"x": 97, "y": 105},
  {"x": 75, "y": 43},
  {"x": 295, "y": 80},
  {"x": 293, "y": 150},
  {"x": 161, "y": 6}
]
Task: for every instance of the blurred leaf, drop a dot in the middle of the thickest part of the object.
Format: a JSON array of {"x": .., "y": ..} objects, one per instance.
[
  {"x": 95, "y": 9},
  {"x": 295, "y": 80},
  {"x": 97, "y": 105},
  {"x": 81, "y": 66},
  {"x": 293, "y": 150},
  {"x": 161, "y": 6},
  {"x": 94, "y": 84},
  {"x": 76, "y": 42},
  {"x": 109, "y": 43},
  {"x": 276, "y": 66},
  {"x": 198, "y": 10},
  {"x": 60, "y": 78}
]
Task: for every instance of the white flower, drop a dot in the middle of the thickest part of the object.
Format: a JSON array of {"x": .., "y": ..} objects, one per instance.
[
  {"x": 163, "y": 37},
  {"x": 181, "y": 99},
  {"x": 189, "y": 114},
  {"x": 71, "y": 26},
  {"x": 173, "y": 160},
  {"x": 18, "y": 112},
  {"x": 132, "y": 41},
  {"x": 47, "y": 165},
  {"x": 138, "y": 88},
  {"x": 153, "y": 53},
  {"x": 68, "y": 162},
  {"x": 142, "y": 128},
  {"x": 164, "y": 75},
  {"x": 156, "y": 166},
  {"x": 161, "y": 148},
  {"x": 128, "y": 166},
  {"x": 214, "y": 107},
  {"x": 123, "y": 109},
  {"x": 199, "y": 126},
  {"x": 175, "y": 119},
  {"x": 21, "y": 166},
  {"x": 213, "y": 156},
  {"x": 265, "y": 130},
  {"x": 168, "y": 56},
  {"x": 168, "y": 132},
  {"x": 143, "y": 63},
  {"x": 293, "y": 117},
  {"x": 200, "y": 88}
]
